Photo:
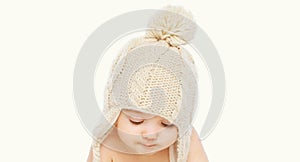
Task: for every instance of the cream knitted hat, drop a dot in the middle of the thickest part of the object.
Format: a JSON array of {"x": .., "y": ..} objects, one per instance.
[{"x": 154, "y": 75}]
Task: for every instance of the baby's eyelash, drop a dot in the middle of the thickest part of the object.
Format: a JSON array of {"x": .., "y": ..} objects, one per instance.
[
  {"x": 140, "y": 122},
  {"x": 136, "y": 122},
  {"x": 167, "y": 125}
]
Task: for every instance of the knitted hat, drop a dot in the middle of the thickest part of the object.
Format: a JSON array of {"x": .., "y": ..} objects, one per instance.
[{"x": 154, "y": 75}]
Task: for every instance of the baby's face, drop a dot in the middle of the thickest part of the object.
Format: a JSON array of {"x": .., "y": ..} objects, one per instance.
[{"x": 145, "y": 133}]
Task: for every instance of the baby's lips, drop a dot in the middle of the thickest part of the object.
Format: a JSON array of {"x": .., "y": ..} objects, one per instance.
[{"x": 148, "y": 144}]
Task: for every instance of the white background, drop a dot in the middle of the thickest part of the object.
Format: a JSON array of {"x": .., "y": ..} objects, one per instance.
[{"x": 258, "y": 42}]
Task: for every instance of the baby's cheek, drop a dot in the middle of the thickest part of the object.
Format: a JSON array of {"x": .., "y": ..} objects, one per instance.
[
  {"x": 127, "y": 128},
  {"x": 170, "y": 133}
]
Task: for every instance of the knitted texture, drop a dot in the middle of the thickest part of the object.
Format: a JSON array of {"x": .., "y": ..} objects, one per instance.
[{"x": 152, "y": 74}]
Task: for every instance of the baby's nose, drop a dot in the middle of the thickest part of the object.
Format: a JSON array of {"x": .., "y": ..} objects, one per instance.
[
  {"x": 150, "y": 131},
  {"x": 150, "y": 137}
]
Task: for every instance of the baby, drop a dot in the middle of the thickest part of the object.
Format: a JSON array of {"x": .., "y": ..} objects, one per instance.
[{"x": 151, "y": 97}]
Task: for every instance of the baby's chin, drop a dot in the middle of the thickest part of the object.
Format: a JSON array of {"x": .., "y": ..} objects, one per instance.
[{"x": 140, "y": 148}]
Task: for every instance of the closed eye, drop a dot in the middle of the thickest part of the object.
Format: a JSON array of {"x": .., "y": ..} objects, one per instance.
[
  {"x": 136, "y": 122},
  {"x": 167, "y": 124}
]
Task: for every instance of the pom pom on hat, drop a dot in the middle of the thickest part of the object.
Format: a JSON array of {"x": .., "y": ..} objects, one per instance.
[{"x": 173, "y": 24}]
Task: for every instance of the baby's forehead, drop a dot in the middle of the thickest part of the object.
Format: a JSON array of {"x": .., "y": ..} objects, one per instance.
[{"x": 137, "y": 114}]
